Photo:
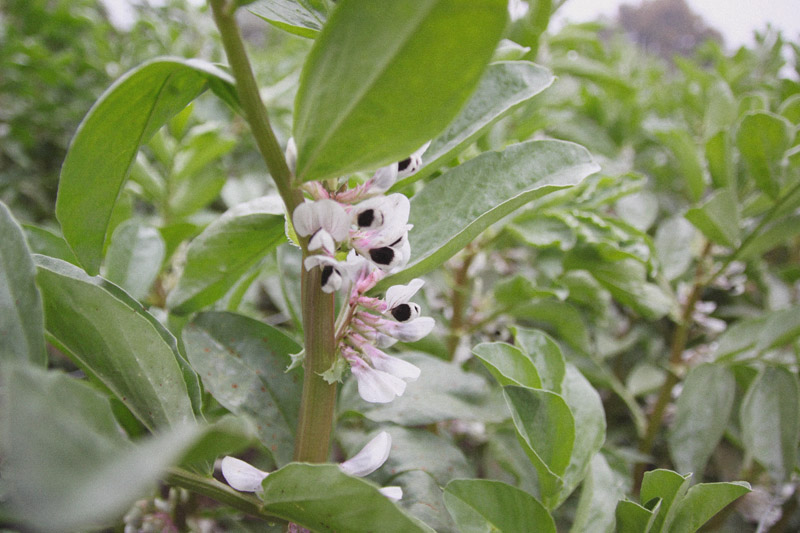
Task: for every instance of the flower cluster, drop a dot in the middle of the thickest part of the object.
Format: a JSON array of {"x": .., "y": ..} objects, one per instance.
[{"x": 357, "y": 236}]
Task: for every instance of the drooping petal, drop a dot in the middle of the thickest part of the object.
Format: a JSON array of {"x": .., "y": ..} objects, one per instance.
[
  {"x": 376, "y": 386},
  {"x": 304, "y": 220},
  {"x": 400, "y": 294},
  {"x": 242, "y": 476},
  {"x": 371, "y": 456},
  {"x": 410, "y": 331},
  {"x": 390, "y": 364},
  {"x": 333, "y": 218},
  {"x": 412, "y": 163},
  {"x": 383, "y": 178},
  {"x": 393, "y": 493},
  {"x": 322, "y": 240}
]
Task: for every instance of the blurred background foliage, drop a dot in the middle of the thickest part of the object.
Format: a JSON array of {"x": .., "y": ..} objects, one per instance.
[{"x": 683, "y": 252}]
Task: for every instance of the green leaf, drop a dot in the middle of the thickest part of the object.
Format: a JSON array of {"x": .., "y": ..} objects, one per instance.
[
  {"x": 21, "y": 317},
  {"x": 544, "y": 230},
  {"x": 455, "y": 208},
  {"x": 323, "y": 498},
  {"x": 68, "y": 464},
  {"x": 105, "y": 146},
  {"x": 719, "y": 156},
  {"x": 383, "y": 78},
  {"x": 703, "y": 410},
  {"x": 770, "y": 418},
  {"x": 243, "y": 365},
  {"x": 504, "y": 86},
  {"x": 300, "y": 17},
  {"x": 134, "y": 257},
  {"x": 561, "y": 319},
  {"x": 225, "y": 251},
  {"x": 46, "y": 242},
  {"x": 508, "y": 365},
  {"x": 684, "y": 150},
  {"x": 545, "y": 354},
  {"x": 722, "y": 109},
  {"x": 666, "y": 487},
  {"x": 754, "y": 336},
  {"x": 718, "y": 218},
  {"x": 762, "y": 139},
  {"x": 703, "y": 501},
  {"x": 115, "y": 343},
  {"x": 673, "y": 246},
  {"x": 442, "y": 392},
  {"x": 600, "y": 492},
  {"x": 423, "y": 499},
  {"x": 546, "y": 430},
  {"x": 634, "y": 518},
  {"x": 479, "y": 505}
]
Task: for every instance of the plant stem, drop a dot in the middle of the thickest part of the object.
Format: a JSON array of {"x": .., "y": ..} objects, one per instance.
[
  {"x": 458, "y": 300},
  {"x": 249, "y": 98},
  {"x": 680, "y": 338},
  {"x": 317, "y": 405},
  {"x": 314, "y": 428}
]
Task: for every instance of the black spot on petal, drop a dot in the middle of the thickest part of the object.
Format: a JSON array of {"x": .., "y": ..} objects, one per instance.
[
  {"x": 402, "y": 165},
  {"x": 382, "y": 256},
  {"x": 327, "y": 270},
  {"x": 395, "y": 243},
  {"x": 402, "y": 312},
  {"x": 366, "y": 218}
]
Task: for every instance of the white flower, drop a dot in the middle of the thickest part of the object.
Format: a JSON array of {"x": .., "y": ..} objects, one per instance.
[
  {"x": 333, "y": 271},
  {"x": 410, "y": 331},
  {"x": 412, "y": 163},
  {"x": 393, "y": 493},
  {"x": 386, "y": 176},
  {"x": 397, "y": 301},
  {"x": 325, "y": 221},
  {"x": 517, "y": 9},
  {"x": 374, "y": 386},
  {"x": 242, "y": 476},
  {"x": 390, "y": 364},
  {"x": 371, "y": 456}
]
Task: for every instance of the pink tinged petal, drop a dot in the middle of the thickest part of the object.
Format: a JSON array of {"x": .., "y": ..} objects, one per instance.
[
  {"x": 383, "y": 178},
  {"x": 393, "y": 493},
  {"x": 304, "y": 220},
  {"x": 400, "y": 294},
  {"x": 392, "y": 365},
  {"x": 410, "y": 331},
  {"x": 322, "y": 240},
  {"x": 242, "y": 476},
  {"x": 376, "y": 386},
  {"x": 370, "y": 458},
  {"x": 384, "y": 341},
  {"x": 333, "y": 218}
]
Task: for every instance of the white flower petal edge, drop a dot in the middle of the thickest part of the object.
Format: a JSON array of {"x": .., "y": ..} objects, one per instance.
[
  {"x": 376, "y": 386},
  {"x": 393, "y": 493},
  {"x": 242, "y": 476},
  {"x": 390, "y": 364},
  {"x": 371, "y": 456},
  {"x": 401, "y": 294}
]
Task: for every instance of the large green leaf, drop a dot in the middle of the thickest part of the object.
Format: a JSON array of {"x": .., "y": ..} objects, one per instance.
[
  {"x": 300, "y": 17},
  {"x": 600, "y": 492},
  {"x": 21, "y": 318},
  {"x": 455, "y": 208},
  {"x": 672, "y": 244},
  {"x": 225, "y": 251},
  {"x": 508, "y": 364},
  {"x": 134, "y": 257},
  {"x": 105, "y": 146},
  {"x": 424, "y": 499},
  {"x": 545, "y": 354},
  {"x": 479, "y": 505},
  {"x": 683, "y": 148},
  {"x": 68, "y": 465},
  {"x": 703, "y": 501},
  {"x": 243, "y": 365},
  {"x": 323, "y": 498},
  {"x": 666, "y": 487},
  {"x": 546, "y": 430},
  {"x": 703, "y": 410},
  {"x": 718, "y": 218},
  {"x": 442, "y": 392},
  {"x": 634, "y": 518},
  {"x": 762, "y": 139},
  {"x": 116, "y": 343},
  {"x": 504, "y": 86},
  {"x": 384, "y": 77},
  {"x": 770, "y": 417}
]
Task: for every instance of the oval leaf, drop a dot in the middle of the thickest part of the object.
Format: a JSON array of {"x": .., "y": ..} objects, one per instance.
[
  {"x": 703, "y": 501},
  {"x": 225, "y": 251},
  {"x": 134, "y": 257},
  {"x": 385, "y": 77},
  {"x": 455, "y": 208},
  {"x": 21, "y": 317},
  {"x": 479, "y": 505},
  {"x": 300, "y": 17},
  {"x": 508, "y": 364},
  {"x": 105, "y": 146},
  {"x": 115, "y": 343},
  {"x": 323, "y": 498}
]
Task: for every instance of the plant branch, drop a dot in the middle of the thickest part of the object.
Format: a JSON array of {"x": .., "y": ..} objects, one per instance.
[{"x": 252, "y": 105}]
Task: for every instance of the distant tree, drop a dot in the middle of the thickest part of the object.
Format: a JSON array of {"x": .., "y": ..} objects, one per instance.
[{"x": 666, "y": 27}]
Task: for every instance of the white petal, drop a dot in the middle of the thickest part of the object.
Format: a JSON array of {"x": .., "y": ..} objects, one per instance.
[
  {"x": 242, "y": 476},
  {"x": 304, "y": 220},
  {"x": 384, "y": 178},
  {"x": 415, "y": 329},
  {"x": 400, "y": 294},
  {"x": 385, "y": 341},
  {"x": 396, "y": 367},
  {"x": 333, "y": 218},
  {"x": 376, "y": 386},
  {"x": 371, "y": 456},
  {"x": 393, "y": 493},
  {"x": 291, "y": 155},
  {"x": 412, "y": 162},
  {"x": 322, "y": 240}
]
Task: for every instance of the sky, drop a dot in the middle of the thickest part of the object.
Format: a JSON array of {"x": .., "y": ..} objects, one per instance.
[{"x": 735, "y": 19}]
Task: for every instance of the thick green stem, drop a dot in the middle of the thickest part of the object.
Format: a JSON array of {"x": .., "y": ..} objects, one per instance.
[
  {"x": 250, "y": 100},
  {"x": 317, "y": 405},
  {"x": 312, "y": 443}
]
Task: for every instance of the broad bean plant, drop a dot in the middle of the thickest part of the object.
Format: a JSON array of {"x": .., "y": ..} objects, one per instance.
[{"x": 430, "y": 307}]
